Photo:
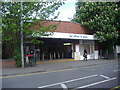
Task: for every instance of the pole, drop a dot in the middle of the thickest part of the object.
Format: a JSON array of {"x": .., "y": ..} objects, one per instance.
[{"x": 21, "y": 36}]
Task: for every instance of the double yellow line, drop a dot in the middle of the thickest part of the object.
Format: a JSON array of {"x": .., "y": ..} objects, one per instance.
[
  {"x": 34, "y": 73},
  {"x": 56, "y": 61},
  {"x": 40, "y": 72},
  {"x": 116, "y": 88}
]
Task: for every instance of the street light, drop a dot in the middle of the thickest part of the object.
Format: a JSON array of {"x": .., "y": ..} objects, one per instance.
[{"x": 21, "y": 35}]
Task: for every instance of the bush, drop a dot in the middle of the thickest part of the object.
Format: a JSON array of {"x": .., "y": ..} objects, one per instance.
[
  {"x": 18, "y": 63},
  {"x": 18, "y": 60}
]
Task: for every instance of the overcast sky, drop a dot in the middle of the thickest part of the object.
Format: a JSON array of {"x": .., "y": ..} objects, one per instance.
[{"x": 66, "y": 11}]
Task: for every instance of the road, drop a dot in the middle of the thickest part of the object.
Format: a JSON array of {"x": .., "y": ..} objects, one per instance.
[{"x": 97, "y": 76}]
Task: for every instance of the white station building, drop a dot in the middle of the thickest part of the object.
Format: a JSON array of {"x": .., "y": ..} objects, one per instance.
[{"x": 68, "y": 41}]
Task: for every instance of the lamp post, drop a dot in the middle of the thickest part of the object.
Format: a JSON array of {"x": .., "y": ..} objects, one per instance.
[{"x": 21, "y": 35}]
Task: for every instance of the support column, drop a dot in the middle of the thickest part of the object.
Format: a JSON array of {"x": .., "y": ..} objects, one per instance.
[
  {"x": 77, "y": 51},
  {"x": 72, "y": 50}
]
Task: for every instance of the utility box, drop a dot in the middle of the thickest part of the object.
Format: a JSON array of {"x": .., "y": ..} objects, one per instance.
[{"x": 95, "y": 54}]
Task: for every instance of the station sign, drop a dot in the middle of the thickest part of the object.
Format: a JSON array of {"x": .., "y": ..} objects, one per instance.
[{"x": 68, "y": 36}]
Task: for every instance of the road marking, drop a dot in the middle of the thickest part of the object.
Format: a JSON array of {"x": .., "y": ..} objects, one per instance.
[
  {"x": 116, "y": 70},
  {"x": 67, "y": 69},
  {"x": 56, "y": 61},
  {"x": 68, "y": 81},
  {"x": 20, "y": 75},
  {"x": 85, "y": 86},
  {"x": 115, "y": 88},
  {"x": 104, "y": 76},
  {"x": 63, "y": 86}
]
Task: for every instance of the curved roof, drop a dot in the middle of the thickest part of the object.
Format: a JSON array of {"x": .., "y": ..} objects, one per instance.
[
  {"x": 67, "y": 27},
  {"x": 70, "y": 27}
]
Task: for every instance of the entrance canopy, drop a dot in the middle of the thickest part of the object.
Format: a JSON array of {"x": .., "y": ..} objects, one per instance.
[{"x": 67, "y": 30}]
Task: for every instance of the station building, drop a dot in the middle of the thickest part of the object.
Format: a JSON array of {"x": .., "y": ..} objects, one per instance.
[{"x": 68, "y": 41}]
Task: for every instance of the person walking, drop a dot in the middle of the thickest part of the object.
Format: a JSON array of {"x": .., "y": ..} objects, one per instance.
[{"x": 85, "y": 55}]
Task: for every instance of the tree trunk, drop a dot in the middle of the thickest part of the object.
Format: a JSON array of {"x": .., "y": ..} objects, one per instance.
[{"x": 111, "y": 50}]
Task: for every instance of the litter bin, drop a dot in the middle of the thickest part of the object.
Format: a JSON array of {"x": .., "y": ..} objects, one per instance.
[{"x": 30, "y": 60}]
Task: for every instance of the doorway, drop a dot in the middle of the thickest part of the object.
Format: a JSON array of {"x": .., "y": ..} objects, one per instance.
[{"x": 55, "y": 48}]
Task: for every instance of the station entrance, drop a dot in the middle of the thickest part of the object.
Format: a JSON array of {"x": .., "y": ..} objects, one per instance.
[{"x": 54, "y": 48}]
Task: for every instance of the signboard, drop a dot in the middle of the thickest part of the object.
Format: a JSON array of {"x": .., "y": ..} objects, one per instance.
[{"x": 68, "y": 36}]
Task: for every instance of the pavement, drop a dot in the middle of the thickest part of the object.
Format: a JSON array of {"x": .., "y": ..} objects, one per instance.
[{"x": 52, "y": 65}]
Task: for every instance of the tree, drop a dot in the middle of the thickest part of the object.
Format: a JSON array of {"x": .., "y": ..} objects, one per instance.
[
  {"x": 32, "y": 13},
  {"x": 100, "y": 17}
]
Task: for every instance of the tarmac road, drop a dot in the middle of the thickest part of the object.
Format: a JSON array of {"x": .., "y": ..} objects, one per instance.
[{"x": 97, "y": 76}]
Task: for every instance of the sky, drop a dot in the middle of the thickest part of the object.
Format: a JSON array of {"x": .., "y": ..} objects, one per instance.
[{"x": 67, "y": 11}]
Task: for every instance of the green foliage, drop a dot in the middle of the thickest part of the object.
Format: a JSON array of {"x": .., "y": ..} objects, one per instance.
[
  {"x": 32, "y": 13},
  {"x": 18, "y": 60},
  {"x": 100, "y": 17},
  {"x": 17, "y": 57}
]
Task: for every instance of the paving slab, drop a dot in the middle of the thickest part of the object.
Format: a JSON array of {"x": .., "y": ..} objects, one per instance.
[{"x": 51, "y": 66}]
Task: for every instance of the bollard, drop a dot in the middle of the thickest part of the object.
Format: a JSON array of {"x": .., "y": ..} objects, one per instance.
[
  {"x": 54, "y": 56},
  {"x": 58, "y": 55},
  {"x": 43, "y": 56},
  {"x": 50, "y": 56},
  {"x": 27, "y": 60},
  {"x": 62, "y": 55}
]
